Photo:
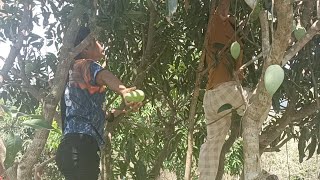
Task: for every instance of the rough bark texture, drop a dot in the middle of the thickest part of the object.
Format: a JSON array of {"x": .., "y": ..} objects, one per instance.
[
  {"x": 147, "y": 52},
  {"x": 15, "y": 49},
  {"x": 318, "y": 9},
  {"x": 29, "y": 159},
  {"x": 261, "y": 100},
  {"x": 307, "y": 13},
  {"x": 107, "y": 160}
]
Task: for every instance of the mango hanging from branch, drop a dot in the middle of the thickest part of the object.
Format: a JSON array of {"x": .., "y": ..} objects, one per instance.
[
  {"x": 134, "y": 96},
  {"x": 273, "y": 78},
  {"x": 235, "y": 49},
  {"x": 299, "y": 32}
]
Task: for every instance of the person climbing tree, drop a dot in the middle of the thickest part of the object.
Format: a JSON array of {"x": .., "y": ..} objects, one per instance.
[{"x": 221, "y": 88}]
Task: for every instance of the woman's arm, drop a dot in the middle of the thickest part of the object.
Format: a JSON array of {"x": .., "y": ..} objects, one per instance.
[{"x": 105, "y": 77}]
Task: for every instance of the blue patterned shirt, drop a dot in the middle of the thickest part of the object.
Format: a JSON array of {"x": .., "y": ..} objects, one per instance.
[{"x": 84, "y": 101}]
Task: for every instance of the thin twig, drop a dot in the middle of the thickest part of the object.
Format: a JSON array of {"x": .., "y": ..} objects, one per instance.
[
  {"x": 288, "y": 161},
  {"x": 157, "y": 59},
  {"x": 38, "y": 170},
  {"x": 250, "y": 62},
  {"x": 315, "y": 85},
  {"x": 224, "y": 115},
  {"x": 244, "y": 99},
  {"x": 271, "y": 25},
  {"x": 278, "y": 146},
  {"x": 318, "y": 9}
]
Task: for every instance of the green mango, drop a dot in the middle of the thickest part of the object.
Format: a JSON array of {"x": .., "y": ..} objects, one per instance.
[
  {"x": 299, "y": 32},
  {"x": 235, "y": 50},
  {"x": 28, "y": 68},
  {"x": 134, "y": 96},
  {"x": 273, "y": 78}
]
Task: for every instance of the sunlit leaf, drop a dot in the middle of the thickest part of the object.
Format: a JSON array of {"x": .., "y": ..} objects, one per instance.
[
  {"x": 38, "y": 124},
  {"x": 13, "y": 145}
]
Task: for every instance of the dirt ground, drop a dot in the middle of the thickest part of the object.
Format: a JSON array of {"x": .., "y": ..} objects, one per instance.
[{"x": 285, "y": 164}]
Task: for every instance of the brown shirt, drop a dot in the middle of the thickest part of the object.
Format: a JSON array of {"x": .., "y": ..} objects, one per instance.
[{"x": 221, "y": 67}]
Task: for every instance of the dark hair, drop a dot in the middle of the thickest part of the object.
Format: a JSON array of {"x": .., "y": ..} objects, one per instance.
[{"x": 82, "y": 34}]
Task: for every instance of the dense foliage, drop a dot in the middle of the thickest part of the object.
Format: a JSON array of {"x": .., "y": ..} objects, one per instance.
[{"x": 156, "y": 46}]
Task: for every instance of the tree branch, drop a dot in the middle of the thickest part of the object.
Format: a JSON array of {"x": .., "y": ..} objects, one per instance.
[
  {"x": 148, "y": 49},
  {"x": 318, "y": 9},
  {"x": 267, "y": 137},
  {"x": 278, "y": 146},
  {"x": 314, "y": 29},
  {"x": 282, "y": 36},
  {"x": 49, "y": 108},
  {"x": 38, "y": 170},
  {"x": 307, "y": 11},
  {"x": 15, "y": 49},
  {"x": 260, "y": 101},
  {"x": 263, "y": 16}
]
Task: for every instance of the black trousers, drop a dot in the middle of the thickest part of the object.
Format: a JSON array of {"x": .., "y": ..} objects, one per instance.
[{"x": 77, "y": 157}]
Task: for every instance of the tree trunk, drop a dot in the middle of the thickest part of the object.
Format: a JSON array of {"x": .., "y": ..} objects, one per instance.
[
  {"x": 29, "y": 159},
  {"x": 251, "y": 139},
  {"x": 107, "y": 159},
  {"x": 261, "y": 100}
]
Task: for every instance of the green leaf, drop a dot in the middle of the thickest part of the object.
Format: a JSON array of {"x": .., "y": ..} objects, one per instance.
[
  {"x": 38, "y": 124},
  {"x": 140, "y": 170},
  {"x": 131, "y": 149},
  {"x": 5, "y": 109},
  {"x": 136, "y": 14},
  {"x": 312, "y": 146},
  {"x": 13, "y": 145},
  {"x": 304, "y": 137},
  {"x": 225, "y": 107},
  {"x": 21, "y": 114},
  {"x": 36, "y": 116}
]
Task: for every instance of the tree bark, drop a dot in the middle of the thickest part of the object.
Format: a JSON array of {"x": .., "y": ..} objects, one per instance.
[
  {"x": 145, "y": 61},
  {"x": 29, "y": 159},
  {"x": 107, "y": 152},
  {"x": 15, "y": 49},
  {"x": 260, "y": 101}
]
